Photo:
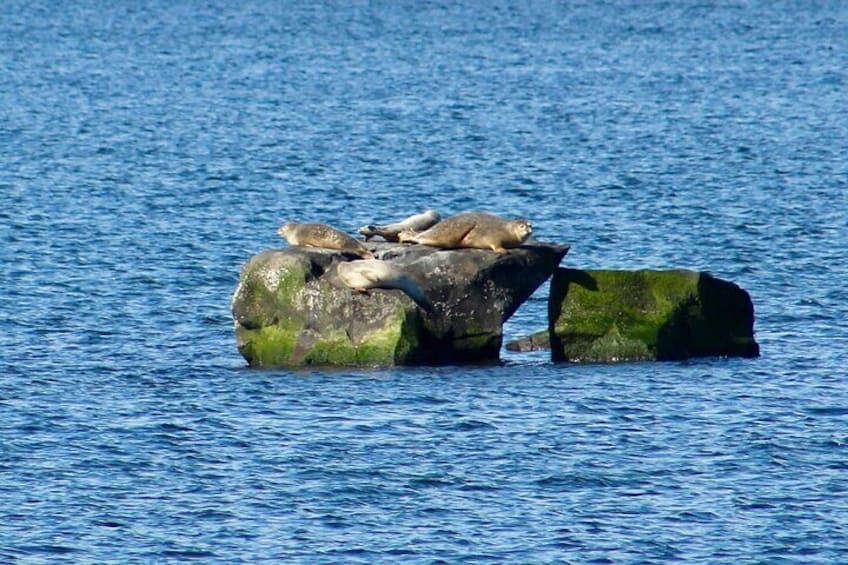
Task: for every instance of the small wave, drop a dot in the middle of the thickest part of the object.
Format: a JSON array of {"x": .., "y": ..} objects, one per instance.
[
  {"x": 428, "y": 482},
  {"x": 577, "y": 481},
  {"x": 188, "y": 553},
  {"x": 698, "y": 516},
  {"x": 827, "y": 410},
  {"x": 472, "y": 426},
  {"x": 49, "y": 549}
]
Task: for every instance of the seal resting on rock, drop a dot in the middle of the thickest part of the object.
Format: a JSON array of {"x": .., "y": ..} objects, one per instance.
[
  {"x": 374, "y": 273},
  {"x": 473, "y": 229},
  {"x": 414, "y": 223},
  {"x": 324, "y": 236}
]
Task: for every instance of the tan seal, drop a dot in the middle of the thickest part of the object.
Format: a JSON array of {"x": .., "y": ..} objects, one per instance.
[
  {"x": 414, "y": 223},
  {"x": 323, "y": 236},
  {"x": 374, "y": 273},
  {"x": 473, "y": 229}
]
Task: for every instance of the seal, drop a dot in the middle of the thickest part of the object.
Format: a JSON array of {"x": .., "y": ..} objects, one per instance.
[
  {"x": 374, "y": 273},
  {"x": 473, "y": 229},
  {"x": 324, "y": 236},
  {"x": 414, "y": 223}
]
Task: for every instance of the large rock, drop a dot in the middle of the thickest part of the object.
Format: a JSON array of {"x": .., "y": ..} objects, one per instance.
[
  {"x": 290, "y": 308},
  {"x": 608, "y": 316}
]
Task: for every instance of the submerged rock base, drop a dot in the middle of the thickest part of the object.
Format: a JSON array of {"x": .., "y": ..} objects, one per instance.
[
  {"x": 609, "y": 316},
  {"x": 290, "y": 308}
]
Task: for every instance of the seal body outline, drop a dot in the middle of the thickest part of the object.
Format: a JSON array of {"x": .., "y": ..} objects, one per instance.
[
  {"x": 375, "y": 273},
  {"x": 391, "y": 232},
  {"x": 478, "y": 230},
  {"x": 322, "y": 236}
]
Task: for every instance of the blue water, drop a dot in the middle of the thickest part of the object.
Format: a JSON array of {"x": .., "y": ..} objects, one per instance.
[{"x": 147, "y": 150}]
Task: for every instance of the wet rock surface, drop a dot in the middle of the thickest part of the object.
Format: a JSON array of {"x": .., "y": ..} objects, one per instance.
[
  {"x": 291, "y": 309},
  {"x": 610, "y": 316}
]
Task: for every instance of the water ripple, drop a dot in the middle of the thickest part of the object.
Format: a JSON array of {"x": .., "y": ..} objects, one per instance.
[{"x": 149, "y": 150}]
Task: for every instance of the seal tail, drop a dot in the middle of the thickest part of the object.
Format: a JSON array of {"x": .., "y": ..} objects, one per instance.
[
  {"x": 368, "y": 231},
  {"x": 386, "y": 232}
]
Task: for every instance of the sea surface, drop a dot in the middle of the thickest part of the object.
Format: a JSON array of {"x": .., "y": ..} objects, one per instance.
[{"x": 148, "y": 149}]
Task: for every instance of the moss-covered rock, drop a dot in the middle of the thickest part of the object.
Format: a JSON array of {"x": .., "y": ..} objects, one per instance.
[
  {"x": 290, "y": 308},
  {"x": 609, "y": 316},
  {"x": 287, "y": 313}
]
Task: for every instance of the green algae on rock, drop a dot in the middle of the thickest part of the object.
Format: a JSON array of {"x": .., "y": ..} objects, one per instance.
[
  {"x": 291, "y": 309},
  {"x": 610, "y": 315},
  {"x": 287, "y": 314}
]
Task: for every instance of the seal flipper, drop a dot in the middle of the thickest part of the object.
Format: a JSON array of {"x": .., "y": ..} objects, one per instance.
[
  {"x": 368, "y": 231},
  {"x": 461, "y": 239},
  {"x": 371, "y": 276},
  {"x": 417, "y": 295}
]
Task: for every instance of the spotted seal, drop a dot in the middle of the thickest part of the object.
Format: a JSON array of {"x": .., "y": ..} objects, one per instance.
[
  {"x": 374, "y": 273},
  {"x": 323, "y": 236},
  {"x": 414, "y": 223},
  {"x": 473, "y": 229}
]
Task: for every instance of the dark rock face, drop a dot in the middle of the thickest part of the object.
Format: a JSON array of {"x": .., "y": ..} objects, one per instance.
[
  {"x": 291, "y": 309},
  {"x": 609, "y": 316}
]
